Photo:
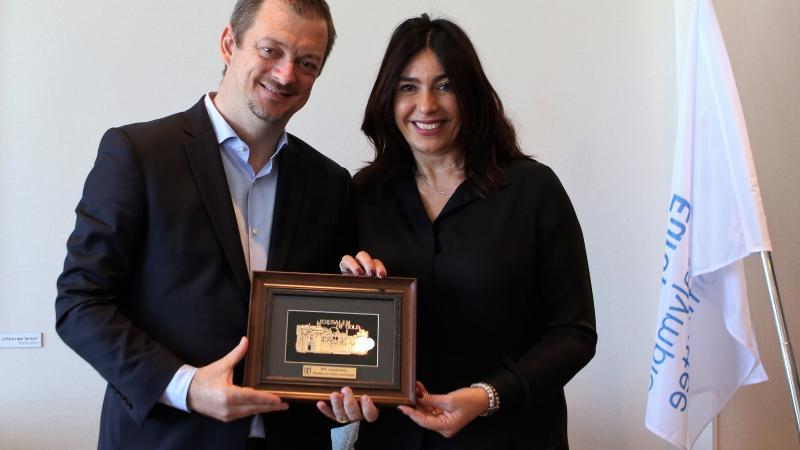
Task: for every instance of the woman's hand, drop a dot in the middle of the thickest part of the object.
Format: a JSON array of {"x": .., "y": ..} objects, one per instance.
[
  {"x": 363, "y": 264},
  {"x": 345, "y": 407},
  {"x": 447, "y": 414}
]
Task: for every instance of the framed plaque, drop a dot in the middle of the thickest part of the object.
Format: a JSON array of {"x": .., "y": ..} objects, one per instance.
[{"x": 312, "y": 334}]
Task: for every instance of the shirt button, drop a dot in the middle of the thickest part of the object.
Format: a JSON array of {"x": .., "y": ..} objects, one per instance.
[{"x": 255, "y": 231}]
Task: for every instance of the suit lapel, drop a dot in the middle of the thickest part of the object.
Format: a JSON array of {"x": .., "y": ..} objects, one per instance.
[
  {"x": 289, "y": 196},
  {"x": 205, "y": 161}
]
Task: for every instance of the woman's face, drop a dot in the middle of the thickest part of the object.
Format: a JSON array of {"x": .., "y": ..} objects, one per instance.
[{"x": 425, "y": 107}]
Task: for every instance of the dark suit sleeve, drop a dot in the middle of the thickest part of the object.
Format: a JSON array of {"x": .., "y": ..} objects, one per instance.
[
  {"x": 96, "y": 282},
  {"x": 565, "y": 308}
]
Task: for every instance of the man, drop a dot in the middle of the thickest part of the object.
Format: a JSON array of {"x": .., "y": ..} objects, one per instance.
[{"x": 176, "y": 214}]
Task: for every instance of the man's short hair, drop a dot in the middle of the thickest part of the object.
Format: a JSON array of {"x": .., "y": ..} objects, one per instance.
[{"x": 245, "y": 11}]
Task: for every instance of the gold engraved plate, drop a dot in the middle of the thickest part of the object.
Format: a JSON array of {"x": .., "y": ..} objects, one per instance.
[
  {"x": 348, "y": 373},
  {"x": 333, "y": 337}
]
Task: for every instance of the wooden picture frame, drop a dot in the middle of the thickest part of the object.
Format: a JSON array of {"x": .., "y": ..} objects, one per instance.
[{"x": 312, "y": 334}]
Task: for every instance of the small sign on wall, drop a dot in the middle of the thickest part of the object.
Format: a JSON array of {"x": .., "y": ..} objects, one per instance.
[{"x": 20, "y": 340}]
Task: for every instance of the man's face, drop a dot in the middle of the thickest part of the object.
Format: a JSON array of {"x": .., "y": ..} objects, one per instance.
[{"x": 273, "y": 68}]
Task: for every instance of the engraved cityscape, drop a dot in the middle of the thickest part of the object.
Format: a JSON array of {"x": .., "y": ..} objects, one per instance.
[{"x": 333, "y": 337}]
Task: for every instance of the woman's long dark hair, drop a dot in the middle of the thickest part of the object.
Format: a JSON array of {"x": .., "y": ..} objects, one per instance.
[{"x": 486, "y": 137}]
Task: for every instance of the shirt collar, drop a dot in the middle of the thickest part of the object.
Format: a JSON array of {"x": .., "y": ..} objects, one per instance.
[{"x": 223, "y": 130}]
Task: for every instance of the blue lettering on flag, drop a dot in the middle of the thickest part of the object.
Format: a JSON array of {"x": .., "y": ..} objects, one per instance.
[
  {"x": 680, "y": 310},
  {"x": 680, "y": 213}
]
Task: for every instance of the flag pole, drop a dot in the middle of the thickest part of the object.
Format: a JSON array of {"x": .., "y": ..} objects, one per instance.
[{"x": 783, "y": 336}]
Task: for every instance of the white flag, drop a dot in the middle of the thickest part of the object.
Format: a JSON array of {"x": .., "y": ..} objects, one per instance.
[{"x": 705, "y": 348}]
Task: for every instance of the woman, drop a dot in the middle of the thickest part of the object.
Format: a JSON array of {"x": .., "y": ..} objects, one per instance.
[{"x": 505, "y": 308}]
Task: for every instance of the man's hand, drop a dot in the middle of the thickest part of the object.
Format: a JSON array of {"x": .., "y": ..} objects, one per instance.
[
  {"x": 213, "y": 393},
  {"x": 345, "y": 407}
]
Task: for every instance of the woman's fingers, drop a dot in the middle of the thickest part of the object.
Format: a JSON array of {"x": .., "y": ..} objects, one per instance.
[
  {"x": 362, "y": 264},
  {"x": 348, "y": 265},
  {"x": 448, "y": 413},
  {"x": 366, "y": 261},
  {"x": 380, "y": 269}
]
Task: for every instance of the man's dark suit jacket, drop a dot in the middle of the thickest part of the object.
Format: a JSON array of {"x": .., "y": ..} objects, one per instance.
[{"x": 155, "y": 275}]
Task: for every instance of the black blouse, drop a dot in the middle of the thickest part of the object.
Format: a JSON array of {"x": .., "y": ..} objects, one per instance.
[{"x": 504, "y": 296}]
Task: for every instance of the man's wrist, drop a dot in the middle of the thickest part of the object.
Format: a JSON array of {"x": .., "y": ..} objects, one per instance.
[{"x": 176, "y": 394}]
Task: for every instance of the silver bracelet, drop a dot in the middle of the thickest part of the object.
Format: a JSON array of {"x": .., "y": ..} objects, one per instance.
[{"x": 494, "y": 397}]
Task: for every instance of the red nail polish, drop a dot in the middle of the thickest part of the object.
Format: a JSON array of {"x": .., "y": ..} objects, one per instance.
[
  {"x": 360, "y": 271},
  {"x": 381, "y": 274}
]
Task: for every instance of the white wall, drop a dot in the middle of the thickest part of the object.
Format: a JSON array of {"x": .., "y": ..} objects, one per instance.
[{"x": 590, "y": 85}]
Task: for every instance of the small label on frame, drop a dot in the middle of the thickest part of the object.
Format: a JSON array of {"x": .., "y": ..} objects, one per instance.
[{"x": 347, "y": 373}]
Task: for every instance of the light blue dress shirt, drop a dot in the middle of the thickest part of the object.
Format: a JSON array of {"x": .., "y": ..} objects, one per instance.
[{"x": 252, "y": 194}]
